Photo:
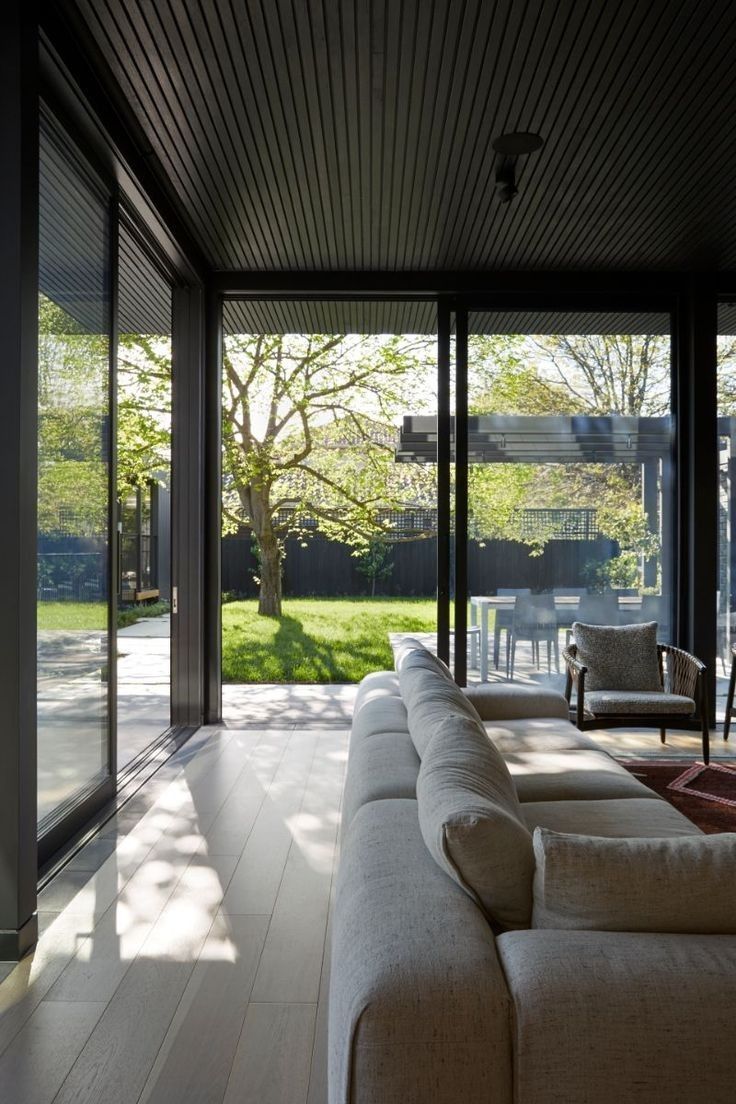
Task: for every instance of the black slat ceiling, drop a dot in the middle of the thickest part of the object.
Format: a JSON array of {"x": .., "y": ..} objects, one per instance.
[
  {"x": 257, "y": 316},
  {"x": 356, "y": 134}
]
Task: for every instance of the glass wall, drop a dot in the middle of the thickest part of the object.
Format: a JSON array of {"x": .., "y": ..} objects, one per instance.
[
  {"x": 329, "y": 544},
  {"x": 74, "y": 467},
  {"x": 144, "y": 381},
  {"x": 725, "y": 598},
  {"x": 570, "y": 496}
]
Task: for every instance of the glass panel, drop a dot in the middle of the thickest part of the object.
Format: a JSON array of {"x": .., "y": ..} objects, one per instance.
[
  {"x": 725, "y": 599},
  {"x": 144, "y": 497},
  {"x": 329, "y": 545},
  {"x": 73, "y": 485},
  {"x": 570, "y": 483}
]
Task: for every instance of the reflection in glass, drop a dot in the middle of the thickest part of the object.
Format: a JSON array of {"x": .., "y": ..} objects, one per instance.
[
  {"x": 144, "y": 500},
  {"x": 73, "y": 485},
  {"x": 726, "y": 598}
]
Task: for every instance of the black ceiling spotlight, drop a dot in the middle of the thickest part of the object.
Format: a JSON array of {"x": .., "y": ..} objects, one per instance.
[{"x": 510, "y": 147}]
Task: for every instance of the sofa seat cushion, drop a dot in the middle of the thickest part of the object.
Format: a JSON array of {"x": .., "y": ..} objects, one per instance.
[
  {"x": 574, "y": 775},
  {"x": 418, "y": 1006},
  {"x": 471, "y": 821},
  {"x": 382, "y": 714},
  {"x": 509, "y": 701},
  {"x": 382, "y": 765},
  {"x": 618, "y": 657},
  {"x": 604, "y": 702},
  {"x": 591, "y": 883},
  {"x": 613, "y": 1017},
  {"x": 631, "y": 816},
  {"x": 538, "y": 734}
]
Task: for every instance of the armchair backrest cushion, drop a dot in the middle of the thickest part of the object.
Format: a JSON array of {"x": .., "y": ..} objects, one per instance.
[
  {"x": 471, "y": 821},
  {"x": 618, "y": 657},
  {"x": 592, "y": 883}
]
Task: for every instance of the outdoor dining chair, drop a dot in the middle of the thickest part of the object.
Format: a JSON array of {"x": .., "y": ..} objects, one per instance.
[
  {"x": 504, "y": 620},
  {"x": 534, "y": 619}
]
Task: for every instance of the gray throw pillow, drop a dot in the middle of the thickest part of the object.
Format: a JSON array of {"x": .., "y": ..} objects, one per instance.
[
  {"x": 591, "y": 883},
  {"x": 471, "y": 821},
  {"x": 618, "y": 657}
]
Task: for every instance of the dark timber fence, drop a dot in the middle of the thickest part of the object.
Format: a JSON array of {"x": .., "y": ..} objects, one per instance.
[{"x": 326, "y": 568}]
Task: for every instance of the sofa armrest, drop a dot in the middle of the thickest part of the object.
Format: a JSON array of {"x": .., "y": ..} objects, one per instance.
[
  {"x": 504, "y": 702},
  {"x": 621, "y": 1016},
  {"x": 418, "y": 1007}
]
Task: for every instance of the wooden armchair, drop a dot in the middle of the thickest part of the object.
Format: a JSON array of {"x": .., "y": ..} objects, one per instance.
[{"x": 683, "y": 703}]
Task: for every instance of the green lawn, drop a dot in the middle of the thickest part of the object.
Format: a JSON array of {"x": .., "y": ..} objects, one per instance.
[
  {"x": 317, "y": 639},
  {"x": 91, "y": 615}
]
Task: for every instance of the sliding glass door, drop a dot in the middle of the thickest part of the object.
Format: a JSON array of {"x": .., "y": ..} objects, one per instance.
[
  {"x": 104, "y": 580},
  {"x": 564, "y": 483},
  {"x": 76, "y": 634},
  {"x": 143, "y": 498}
]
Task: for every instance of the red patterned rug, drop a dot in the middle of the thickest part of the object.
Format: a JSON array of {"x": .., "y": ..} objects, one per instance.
[{"x": 706, "y": 795}]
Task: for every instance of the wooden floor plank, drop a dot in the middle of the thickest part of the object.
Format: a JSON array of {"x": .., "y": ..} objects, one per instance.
[
  {"x": 188, "y": 967},
  {"x": 197, "y": 1054},
  {"x": 35, "y": 1064},
  {"x": 115, "y": 1063},
  {"x": 106, "y": 954},
  {"x": 257, "y": 878},
  {"x": 272, "y": 1061},
  {"x": 230, "y": 829},
  {"x": 291, "y": 963}
]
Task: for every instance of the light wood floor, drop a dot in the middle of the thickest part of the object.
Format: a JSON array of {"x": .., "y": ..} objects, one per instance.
[{"x": 183, "y": 954}]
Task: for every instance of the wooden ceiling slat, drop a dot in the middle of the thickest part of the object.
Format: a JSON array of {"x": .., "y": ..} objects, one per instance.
[
  {"x": 115, "y": 37},
  {"x": 356, "y": 134}
]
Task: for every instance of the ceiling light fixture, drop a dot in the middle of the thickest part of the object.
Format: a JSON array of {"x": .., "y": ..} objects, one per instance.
[{"x": 510, "y": 147}]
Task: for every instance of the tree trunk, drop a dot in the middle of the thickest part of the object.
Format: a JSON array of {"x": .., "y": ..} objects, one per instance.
[
  {"x": 255, "y": 499},
  {"x": 269, "y": 598}
]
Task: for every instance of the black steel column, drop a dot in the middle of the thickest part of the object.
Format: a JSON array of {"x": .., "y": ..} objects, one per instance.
[
  {"x": 213, "y": 508},
  {"x": 696, "y": 347},
  {"x": 187, "y": 508},
  {"x": 461, "y": 496},
  {"x": 444, "y": 423},
  {"x": 18, "y": 458}
]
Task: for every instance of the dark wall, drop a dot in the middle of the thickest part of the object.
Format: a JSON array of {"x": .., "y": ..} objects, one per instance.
[{"x": 326, "y": 568}]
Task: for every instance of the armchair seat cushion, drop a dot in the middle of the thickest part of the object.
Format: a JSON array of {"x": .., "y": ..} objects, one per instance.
[{"x": 615, "y": 702}]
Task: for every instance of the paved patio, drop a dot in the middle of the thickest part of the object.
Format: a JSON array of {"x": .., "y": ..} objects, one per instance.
[{"x": 72, "y": 743}]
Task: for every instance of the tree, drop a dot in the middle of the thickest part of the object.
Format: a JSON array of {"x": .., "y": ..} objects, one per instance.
[
  {"x": 612, "y": 373},
  {"x": 376, "y": 561},
  {"x": 309, "y": 431},
  {"x": 563, "y": 374}
]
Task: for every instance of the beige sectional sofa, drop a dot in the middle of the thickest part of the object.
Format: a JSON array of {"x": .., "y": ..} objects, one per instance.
[{"x": 432, "y": 1001}]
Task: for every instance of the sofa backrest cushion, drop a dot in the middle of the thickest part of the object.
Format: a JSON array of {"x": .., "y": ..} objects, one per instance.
[
  {"x": 472, "y": 823},
  {"x": 411, "y": 653},
  {"x": 430, "y": 698},
  {"x": 684, "y": 884},
  {"x": 618, "y": 657}
]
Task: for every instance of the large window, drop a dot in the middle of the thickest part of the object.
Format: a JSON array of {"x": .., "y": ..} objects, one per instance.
[
  {"x": 570, "y": 490},
  {"x": 725, "y": 597},
  {"x": 329, "y": 529},
  {"x": 74, "y": 485}
]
